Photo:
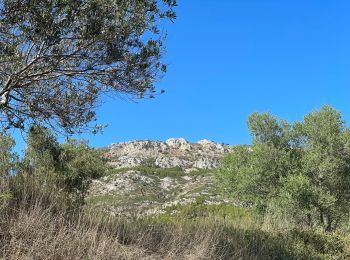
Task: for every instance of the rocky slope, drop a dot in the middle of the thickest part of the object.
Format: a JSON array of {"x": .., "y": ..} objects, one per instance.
[
  {"x": 175, "y": 152},
  {"x": 153, "y": 177}
]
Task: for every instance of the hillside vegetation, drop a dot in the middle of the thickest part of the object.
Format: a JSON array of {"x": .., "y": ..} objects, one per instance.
[
  {"x": 69, "y": 201},
  {"x": 149, "y": 178}
]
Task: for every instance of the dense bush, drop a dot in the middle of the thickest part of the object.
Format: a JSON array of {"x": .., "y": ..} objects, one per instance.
[
  {"x": 79, "y": 165},
  {"x": 48, "y": 170}
]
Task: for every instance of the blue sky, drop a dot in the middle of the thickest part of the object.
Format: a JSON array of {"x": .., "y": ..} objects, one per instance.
[{"x": 229, "y": 58}]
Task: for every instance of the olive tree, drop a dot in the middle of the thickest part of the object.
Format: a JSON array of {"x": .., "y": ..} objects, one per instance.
[
  {"x": 326, "y": 163},
  {"x": 58, "y": 56},
  {"x": 252, "y": 173},
  {"x": 298, "y": 170},
  {"x": 80, "y": 164}
]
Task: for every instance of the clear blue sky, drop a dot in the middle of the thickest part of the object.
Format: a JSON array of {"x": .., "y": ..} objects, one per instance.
[{"x": 229, "y": 58}]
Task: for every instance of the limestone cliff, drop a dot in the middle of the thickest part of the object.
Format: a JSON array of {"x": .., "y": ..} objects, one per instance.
[{"x": 175, "y": 152}]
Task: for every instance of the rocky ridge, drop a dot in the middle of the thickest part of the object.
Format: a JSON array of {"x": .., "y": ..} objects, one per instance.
[{"x": 174, "y": 152}]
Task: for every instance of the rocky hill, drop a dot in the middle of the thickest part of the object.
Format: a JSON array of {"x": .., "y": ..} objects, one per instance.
[
  {"x": 175, "y": 152},
  {"x": 154, "y": 177}
]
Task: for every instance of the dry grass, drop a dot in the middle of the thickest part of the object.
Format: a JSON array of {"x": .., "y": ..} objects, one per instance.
[
  {"x": 37, "y": 234},
  {"x": 37, "y": 224}
]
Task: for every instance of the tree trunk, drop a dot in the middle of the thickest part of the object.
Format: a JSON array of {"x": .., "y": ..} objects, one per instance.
[{"x": 328, "y": 227}]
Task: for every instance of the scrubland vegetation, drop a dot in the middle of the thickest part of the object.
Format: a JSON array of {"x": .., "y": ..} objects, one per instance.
[
  {"x": 289, "y": 190},
  {"x": 293, "y": 183}
]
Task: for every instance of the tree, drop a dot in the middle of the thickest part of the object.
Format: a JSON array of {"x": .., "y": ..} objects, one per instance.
[
  {"x": 326, "y": 163},
  {"x": 58, "y": 56},
  {"x": 252, "y": 173},
  {"x": 80, "y": 165},
  {"x": 300, "y": 171},
  {"x": 7, "y": 157},
  {"x": 68, "y": 167},
  {"x": 43, "y": 151}
]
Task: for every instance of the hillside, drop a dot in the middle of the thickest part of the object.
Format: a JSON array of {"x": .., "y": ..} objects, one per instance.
[
  {"x": 153, "y": 177},
  {"x": 175, "y": 152}
]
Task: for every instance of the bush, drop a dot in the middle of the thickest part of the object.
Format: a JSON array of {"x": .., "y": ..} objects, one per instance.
[
  {"x": 68, "y": 167},
  {"x": 79, "y": 165}
]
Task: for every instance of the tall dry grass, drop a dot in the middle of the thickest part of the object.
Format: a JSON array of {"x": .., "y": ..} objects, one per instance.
[
  {"x": 37, "y": 234},
  {"x": 37, "y": 222}
]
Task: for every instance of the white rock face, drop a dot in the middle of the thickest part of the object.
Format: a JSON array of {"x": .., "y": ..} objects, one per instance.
[
  {"x": 206, "y": 163},
  {"x": 171, "y": 162},
  {"x": 167, "y": 183},
  {"x": 211, "y": 146},
  {"x": 174, "y": 152},
  {"x": 178, "y": 143}
]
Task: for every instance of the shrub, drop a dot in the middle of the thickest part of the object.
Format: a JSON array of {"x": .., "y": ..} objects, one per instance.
[
  {"x": 69, "y": 167},
  {"x": 79, "y": 165}
]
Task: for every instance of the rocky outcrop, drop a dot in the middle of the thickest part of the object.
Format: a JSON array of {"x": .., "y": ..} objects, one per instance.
[{"x": 175, "y": 152}]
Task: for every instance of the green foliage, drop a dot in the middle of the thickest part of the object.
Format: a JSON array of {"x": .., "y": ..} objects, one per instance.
[
  {"x": 69, "y": 166},
  {"x": 241, "y": 236},
  {"x": 160, "y": 172},
  {"x": 266, "y": 129},
  {"x": 59, "y": 56},
  {"x": 80, "y": 164},
  {"x": 299, "y": 171},
  {"x": 199, "y": 210},
  {"x": 8, "y": 158},
  {"x": 43, "y": 151}
]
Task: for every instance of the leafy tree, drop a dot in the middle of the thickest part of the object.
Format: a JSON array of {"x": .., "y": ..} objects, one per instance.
[
  {"x": 326, "y": 162},
  {"x": 43, "y": 151},
  {"x": 299, "y": 170},
  {"x": 80, "y": 164},
  {"x": 252, "y": 173},
  {"x": 8, "y": 166},
  {"x": 8, "y": 158},
  {"x": 58, "y": 56},
  {"x": 266, "y": 129},
  {"x": 69, "y": 167}
]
